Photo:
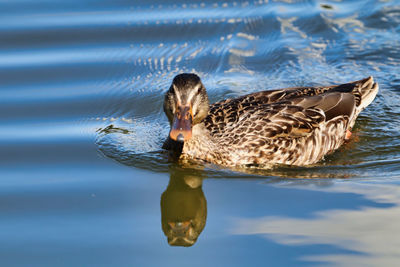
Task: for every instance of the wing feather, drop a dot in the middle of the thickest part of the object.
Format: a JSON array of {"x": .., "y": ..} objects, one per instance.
[{"x": 291, "y": 112}]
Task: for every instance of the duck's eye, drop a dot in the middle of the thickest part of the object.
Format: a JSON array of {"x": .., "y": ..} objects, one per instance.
[{"x": 199, "y": 90}]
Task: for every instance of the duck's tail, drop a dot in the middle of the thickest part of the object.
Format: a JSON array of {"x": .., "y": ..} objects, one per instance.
[{"x": 365, "y": 92}]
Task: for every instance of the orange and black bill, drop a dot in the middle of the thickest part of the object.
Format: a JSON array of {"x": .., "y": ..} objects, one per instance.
[{"x": 181, "y": 129}]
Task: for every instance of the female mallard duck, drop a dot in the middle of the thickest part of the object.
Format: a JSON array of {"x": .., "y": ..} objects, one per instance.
[{"x": 293, "y": 126}]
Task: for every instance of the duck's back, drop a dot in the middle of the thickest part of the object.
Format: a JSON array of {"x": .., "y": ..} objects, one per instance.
[{"x": 287, "y": 126}]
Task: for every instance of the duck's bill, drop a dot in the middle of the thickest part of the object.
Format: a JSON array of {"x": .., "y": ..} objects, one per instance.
[
  {"x": 181, "y": 129},
  {"x": 180, "y": 229},
  {"x": 182, "y": 234}
]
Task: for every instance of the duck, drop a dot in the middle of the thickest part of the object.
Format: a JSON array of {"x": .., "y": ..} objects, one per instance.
[{"x": 292, "y": 126}]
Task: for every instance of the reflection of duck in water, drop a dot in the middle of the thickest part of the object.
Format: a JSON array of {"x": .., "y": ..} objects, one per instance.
[
  {"x": 294, "y": 126},
  {"x": 183, "y": 209}
]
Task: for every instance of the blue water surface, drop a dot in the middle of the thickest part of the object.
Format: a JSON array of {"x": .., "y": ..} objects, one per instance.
[{"x": 81, "y": 166}]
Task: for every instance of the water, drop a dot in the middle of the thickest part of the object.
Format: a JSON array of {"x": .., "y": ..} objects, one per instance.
[{"x": 82, "y": 170}]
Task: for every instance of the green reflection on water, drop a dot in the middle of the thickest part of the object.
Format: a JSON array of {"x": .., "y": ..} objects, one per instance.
[{"x": 183, "y": 208}]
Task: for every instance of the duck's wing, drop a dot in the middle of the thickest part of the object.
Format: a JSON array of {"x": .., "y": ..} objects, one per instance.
[
  {"x": 364, "y": 91},
  {"x": 291, "y": 111},
  {"x": 300, "y": 116},
  {"x": 294, "y": 118}
]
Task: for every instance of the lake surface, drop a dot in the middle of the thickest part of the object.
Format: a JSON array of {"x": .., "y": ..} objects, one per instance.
[{"x": 84, "y": 181}]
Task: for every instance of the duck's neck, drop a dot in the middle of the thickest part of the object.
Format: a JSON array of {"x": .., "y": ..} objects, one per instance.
[{"x": 201, "y": 144}]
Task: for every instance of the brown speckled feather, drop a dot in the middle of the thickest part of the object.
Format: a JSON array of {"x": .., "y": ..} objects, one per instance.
[{"x": 296, "y": 126}]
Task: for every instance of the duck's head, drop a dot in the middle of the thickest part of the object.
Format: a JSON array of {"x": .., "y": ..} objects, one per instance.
[{"x": 185, "y": 104}]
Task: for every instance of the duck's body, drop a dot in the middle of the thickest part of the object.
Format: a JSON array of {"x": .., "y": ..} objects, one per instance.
[{"x": 294, "y": 126}]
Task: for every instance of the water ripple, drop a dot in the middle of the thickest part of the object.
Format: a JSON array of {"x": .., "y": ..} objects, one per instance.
[{"x": 111, "y": 66}]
